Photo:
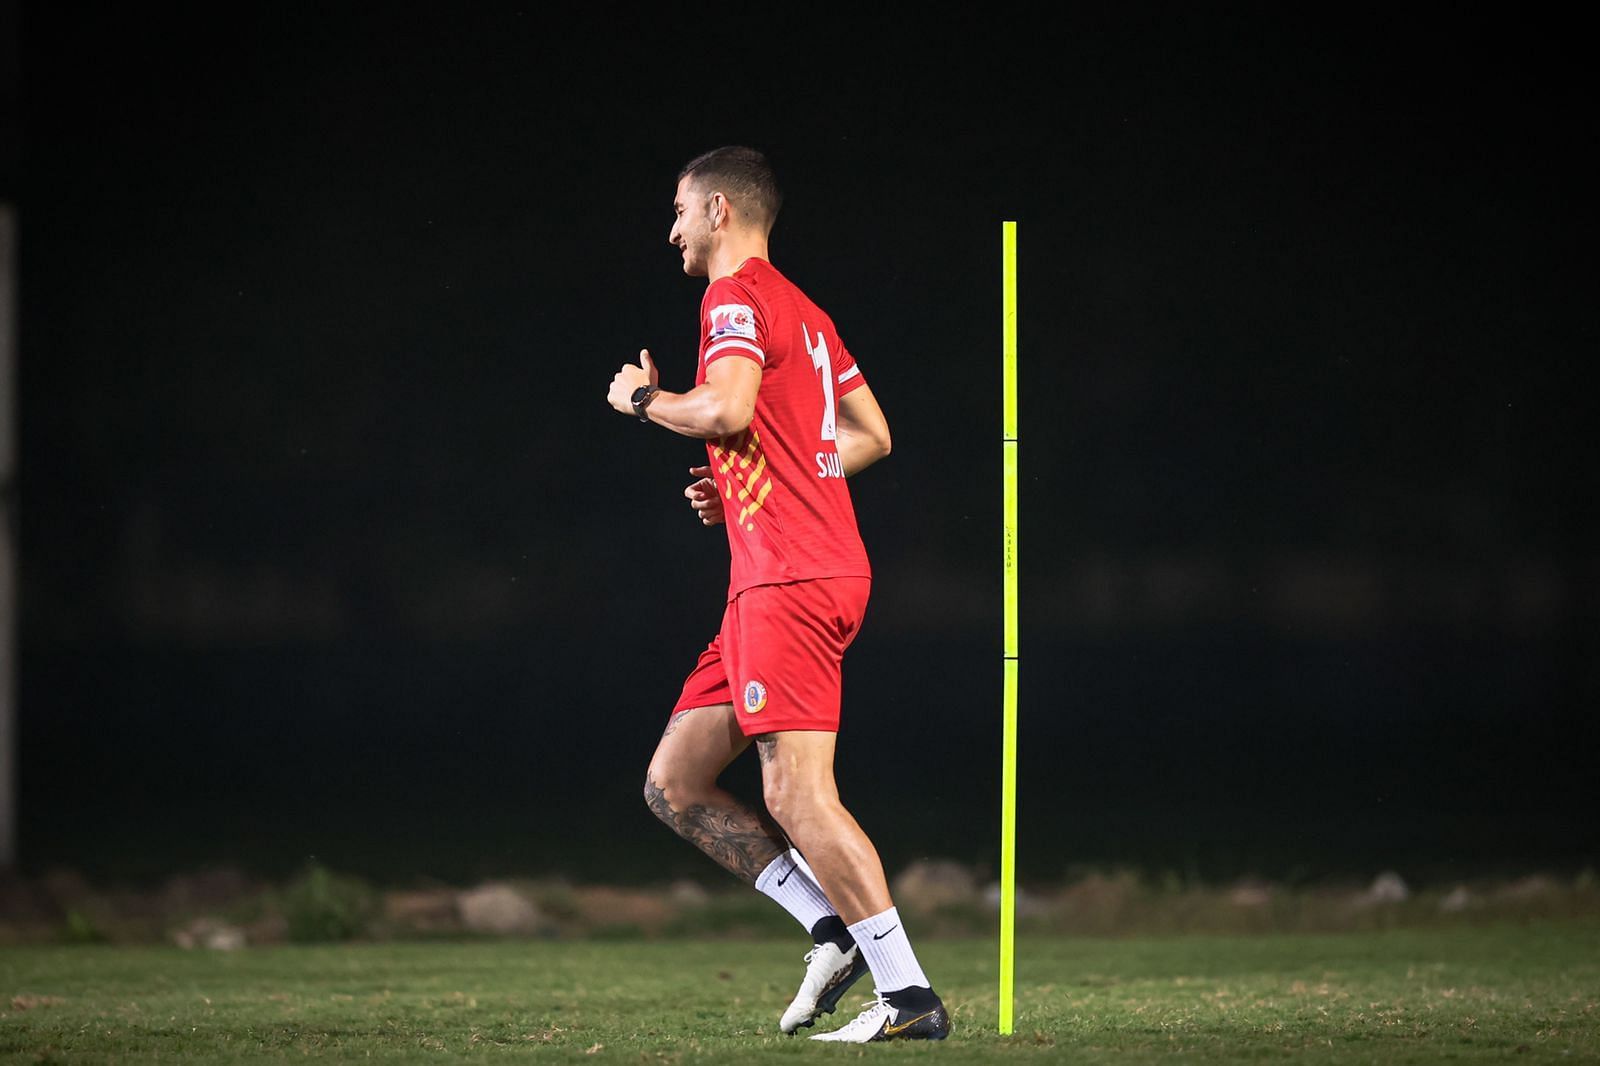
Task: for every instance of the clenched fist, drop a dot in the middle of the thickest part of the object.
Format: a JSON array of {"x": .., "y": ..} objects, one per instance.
[{"x": 703, "y": 496}]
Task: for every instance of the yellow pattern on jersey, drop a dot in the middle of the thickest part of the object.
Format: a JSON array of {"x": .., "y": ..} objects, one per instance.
[{"x": 751, "y": 473}]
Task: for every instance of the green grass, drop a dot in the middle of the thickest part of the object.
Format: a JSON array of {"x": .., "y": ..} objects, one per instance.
[{"x": 1494, "y": 994}]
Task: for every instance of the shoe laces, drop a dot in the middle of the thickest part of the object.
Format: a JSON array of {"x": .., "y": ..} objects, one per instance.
[
  {"x": 817, "y": 976},
  {"x": 877, "y": 1000},
  {"x": 864, "y": 1025}
]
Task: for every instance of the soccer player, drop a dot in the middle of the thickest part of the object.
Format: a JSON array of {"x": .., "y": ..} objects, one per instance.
[{"x": 786, "y": 416}]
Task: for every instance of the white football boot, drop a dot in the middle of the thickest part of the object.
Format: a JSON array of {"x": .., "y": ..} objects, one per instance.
[
  {"x": 883, "y": 1021},
  {"x": 829, "y": 974}
]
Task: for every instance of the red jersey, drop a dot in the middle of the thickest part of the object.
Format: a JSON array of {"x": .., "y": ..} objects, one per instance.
[{"x": 784, "y": 499}]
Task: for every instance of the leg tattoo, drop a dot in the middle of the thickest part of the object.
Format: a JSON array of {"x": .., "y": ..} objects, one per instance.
[{"x": 739, "y": 839}]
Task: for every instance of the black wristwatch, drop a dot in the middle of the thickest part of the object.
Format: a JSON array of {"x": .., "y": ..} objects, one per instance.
[{"x": 641, "y": 399}]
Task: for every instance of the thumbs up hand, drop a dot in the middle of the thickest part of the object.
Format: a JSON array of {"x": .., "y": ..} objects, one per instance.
[{"x": 629, "y": 378}]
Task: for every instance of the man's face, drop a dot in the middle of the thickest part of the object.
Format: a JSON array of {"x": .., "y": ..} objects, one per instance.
[{"x": 691, "y": 229}]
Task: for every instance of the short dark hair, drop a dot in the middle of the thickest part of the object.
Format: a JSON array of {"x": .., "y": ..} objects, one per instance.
[{"x": 745, "y": 175}]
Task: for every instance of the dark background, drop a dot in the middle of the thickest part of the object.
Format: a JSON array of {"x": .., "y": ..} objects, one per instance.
[{"x": 331, "y": 547}]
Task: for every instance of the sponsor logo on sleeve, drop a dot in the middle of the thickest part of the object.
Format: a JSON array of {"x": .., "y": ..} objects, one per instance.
[{"x": 733, "y": 320}]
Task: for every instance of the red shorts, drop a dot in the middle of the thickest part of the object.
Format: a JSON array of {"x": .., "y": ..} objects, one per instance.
[{"x": 778, "y": 656}]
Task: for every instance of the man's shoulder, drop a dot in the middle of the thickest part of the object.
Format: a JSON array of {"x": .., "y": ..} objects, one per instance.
[
  {"x": 776, "y": 290},
  {"x": 759, "y": 276},
  {"x": 729, "y": 289}
]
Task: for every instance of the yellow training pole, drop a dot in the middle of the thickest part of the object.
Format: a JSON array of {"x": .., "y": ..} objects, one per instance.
[{"x": 1008, "y": 758}]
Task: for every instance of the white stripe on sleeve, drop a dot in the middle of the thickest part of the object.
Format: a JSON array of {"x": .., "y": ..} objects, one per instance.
[
  {"x": 848, "y": 374},
  {"x": 734, "y": 342}
]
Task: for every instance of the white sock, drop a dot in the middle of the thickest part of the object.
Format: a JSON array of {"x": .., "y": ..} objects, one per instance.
[
  {"x": 789, "y": 880},
  {"x": 882, "y": 939}
]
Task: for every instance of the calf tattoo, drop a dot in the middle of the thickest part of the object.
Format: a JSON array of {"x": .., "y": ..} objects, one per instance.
[{"x": 736, "y": 837}]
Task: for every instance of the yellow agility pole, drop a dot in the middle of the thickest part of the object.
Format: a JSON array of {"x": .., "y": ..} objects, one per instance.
[{"x": 1008, "y": 757}]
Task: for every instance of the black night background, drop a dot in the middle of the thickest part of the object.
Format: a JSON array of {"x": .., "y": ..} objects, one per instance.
[{"x": 328, "y": 545}]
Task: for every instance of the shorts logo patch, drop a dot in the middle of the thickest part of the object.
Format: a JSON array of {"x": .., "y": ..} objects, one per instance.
[
  {"x": 755, "y": 697},
  {"x": 733, "y": 320}
]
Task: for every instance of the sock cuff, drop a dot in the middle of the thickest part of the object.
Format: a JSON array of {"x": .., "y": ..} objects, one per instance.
[
  {"x": 877, "y": 924},
  {"x": 887, "y": 949},
  {"x": 778, "y": 867},
  {"x": 789, "y": 883}
]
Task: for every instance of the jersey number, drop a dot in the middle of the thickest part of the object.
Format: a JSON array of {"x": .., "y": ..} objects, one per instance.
[{"x": 824, "y": 367}]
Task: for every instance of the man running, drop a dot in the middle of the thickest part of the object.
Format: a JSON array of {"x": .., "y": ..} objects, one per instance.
[{"x": 786, "y": 416}]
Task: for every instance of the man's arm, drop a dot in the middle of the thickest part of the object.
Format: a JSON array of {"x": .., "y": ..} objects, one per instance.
[
  {"x": 862, "y": 429},
  {"x": 724, "y": 405}
]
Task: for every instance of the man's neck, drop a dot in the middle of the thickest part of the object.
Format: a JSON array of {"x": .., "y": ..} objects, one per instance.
[{"x": 728, "y": 257}]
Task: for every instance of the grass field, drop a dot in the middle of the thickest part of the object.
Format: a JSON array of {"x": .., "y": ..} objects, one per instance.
[{"x": 1524, "y": 993}]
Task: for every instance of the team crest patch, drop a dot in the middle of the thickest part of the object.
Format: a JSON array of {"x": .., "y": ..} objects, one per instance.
[
  {"x": 733, "y": 320},
  {"x": 755, "y": 697}
]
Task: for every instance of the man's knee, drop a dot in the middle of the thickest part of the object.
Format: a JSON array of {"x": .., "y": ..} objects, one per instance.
[
  {"x": 797, "y": 781},
  {"x": 779, "y": 802},
  {"x": 670, "y": 786},
  {"x": 791, "y": 804},
  {"x": 697, "y": 746}
]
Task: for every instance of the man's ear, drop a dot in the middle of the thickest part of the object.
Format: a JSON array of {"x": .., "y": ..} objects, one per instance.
[{"x": 718, "y": 209}]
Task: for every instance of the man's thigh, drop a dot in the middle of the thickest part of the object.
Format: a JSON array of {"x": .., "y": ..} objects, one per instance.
[
  {"x": 697, "y": 745},
  {"x": 798, "y": 763}
]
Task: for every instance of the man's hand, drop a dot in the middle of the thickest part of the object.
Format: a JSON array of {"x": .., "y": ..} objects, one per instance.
[
  {"x": 629, "y": 378},
  {"x": 703, "y": 496},
  {"x": 862, "y": 430}
]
